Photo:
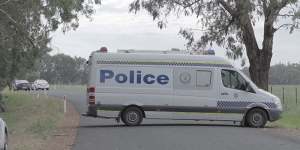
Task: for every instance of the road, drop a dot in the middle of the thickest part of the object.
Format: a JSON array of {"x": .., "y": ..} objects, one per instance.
[{"x": 101, "y": 134}]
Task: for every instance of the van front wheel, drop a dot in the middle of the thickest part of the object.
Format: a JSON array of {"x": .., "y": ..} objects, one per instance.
[
  {"x": 256, "y": 118},
  {"x": 132, "y": 116}
]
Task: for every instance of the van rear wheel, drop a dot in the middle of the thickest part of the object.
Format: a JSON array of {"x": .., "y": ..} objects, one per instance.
[
  {"x": 132, "y": 116},
  {"x": 257, "y": 118}
]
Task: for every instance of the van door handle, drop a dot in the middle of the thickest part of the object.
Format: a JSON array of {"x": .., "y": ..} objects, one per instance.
[{"x": 224, "y": 93}]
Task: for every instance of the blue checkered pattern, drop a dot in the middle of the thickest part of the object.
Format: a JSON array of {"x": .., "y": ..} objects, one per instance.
[
  {"x": 231, "y": 104},
  {"x": 271, "y": 105},
  {"x": 165, "y": 63},
  {"x": 240, "y": 104}
]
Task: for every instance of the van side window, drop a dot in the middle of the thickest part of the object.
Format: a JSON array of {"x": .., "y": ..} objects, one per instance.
[
  {"x": 232, "y": 79},
  {"x": 203, "y": 78}
]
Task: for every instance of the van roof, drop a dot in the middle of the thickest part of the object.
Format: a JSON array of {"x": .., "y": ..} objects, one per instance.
[{"x": 160, "y": 59}]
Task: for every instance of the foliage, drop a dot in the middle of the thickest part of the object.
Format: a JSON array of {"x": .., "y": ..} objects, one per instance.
[
  {"x": 31, "y": 120},
  {"x": 25, "y": 26},
  {"x": 63, "y": 69},
  {"x": 220, "y": 19},
  {"x": 230, "y": 24},
  {"x": 283, "y": 74}
]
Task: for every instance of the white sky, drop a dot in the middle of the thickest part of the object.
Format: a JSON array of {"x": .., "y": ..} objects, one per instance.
[{"x": 114, "y": 27}]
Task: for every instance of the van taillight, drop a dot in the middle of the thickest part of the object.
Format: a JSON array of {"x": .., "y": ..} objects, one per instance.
[
  {"x": 92, "y": 99},
  {"x": 91, "y": 95},
  {"x": 91, "y": 90}
]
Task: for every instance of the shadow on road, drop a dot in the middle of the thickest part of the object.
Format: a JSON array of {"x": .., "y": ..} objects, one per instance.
[{"x": 157, "y": 125}]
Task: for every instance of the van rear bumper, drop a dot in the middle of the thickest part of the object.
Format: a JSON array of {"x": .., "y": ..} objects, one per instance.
[
  {"x": 92, "y": 111},
  {"x": 274, "y": 114}
]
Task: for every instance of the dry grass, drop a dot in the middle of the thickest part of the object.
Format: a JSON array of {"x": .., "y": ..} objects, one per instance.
[{"x": 31, "y": 120}]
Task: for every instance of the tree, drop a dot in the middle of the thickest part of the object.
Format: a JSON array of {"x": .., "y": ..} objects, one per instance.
[
  {"x": 284, "y": 74},
  {"x": 63, "y": 69},
  {"x": 230, "y": 24},
  {"x": 25, "y": 27}
]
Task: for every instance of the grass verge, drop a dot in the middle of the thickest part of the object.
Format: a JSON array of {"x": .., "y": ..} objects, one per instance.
[
  {"x": 31, "y": 120},
  {"x": 290, "y": 119}
]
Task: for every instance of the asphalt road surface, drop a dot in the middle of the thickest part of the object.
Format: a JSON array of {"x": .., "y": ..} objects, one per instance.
[{"x": 103, "y": 134}]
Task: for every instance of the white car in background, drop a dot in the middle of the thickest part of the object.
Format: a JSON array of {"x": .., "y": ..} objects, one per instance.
[
  {"x": 40, "y": 85},
  {"x": 3, "y": 135}
]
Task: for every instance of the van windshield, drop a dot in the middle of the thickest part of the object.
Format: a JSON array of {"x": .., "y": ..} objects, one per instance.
[{"x": 233, "y": 79}]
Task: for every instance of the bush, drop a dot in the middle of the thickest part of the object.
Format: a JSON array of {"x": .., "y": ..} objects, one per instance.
[{"x": 2, "y": 108}]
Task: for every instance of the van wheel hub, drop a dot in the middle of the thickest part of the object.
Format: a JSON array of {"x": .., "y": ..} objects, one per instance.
[
  {"x": 132, "y": 116},
  {"x": 257, "y": 118}
]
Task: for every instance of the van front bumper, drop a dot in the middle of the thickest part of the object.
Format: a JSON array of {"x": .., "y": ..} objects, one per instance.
[{"x": 274, "y": 114}]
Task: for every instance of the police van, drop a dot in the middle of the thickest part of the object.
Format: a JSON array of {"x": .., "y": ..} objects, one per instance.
[{"x": 133, "y": 84}]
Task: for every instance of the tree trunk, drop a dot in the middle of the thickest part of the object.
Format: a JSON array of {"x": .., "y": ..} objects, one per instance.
[
  {"x": 259, "y": 59},
  {"x": 259, "y": 69}
]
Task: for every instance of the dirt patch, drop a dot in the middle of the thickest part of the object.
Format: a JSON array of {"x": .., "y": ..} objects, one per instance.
[
  {"x": 292, "y": 134},
  {"x": 64, "y": 136}
]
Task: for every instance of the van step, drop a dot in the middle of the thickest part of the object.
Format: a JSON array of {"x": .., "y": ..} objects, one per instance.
[
  {"x": 98, "y": 116},
  {"x": 195, "y": 119},
  {"x": 199, "y": 119},
  {"x": 102, "y": 117}
]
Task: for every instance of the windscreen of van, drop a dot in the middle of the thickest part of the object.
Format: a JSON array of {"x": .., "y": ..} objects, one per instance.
[{"x": 232, "y": 79}]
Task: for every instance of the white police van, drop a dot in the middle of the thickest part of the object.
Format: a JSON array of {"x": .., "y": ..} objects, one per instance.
[{"x": 136, "y": 83}]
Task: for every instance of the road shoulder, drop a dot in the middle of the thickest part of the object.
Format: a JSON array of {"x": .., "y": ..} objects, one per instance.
[{"x": 64, "y": 136}]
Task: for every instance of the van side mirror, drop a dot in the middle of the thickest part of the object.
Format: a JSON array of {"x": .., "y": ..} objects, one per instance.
[
  {"x": 244, "y": 87},
  {"x": 249, "y": 88}
]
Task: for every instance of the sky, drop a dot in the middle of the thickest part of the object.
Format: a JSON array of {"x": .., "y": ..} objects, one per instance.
[{"x": 114, "y": 27}]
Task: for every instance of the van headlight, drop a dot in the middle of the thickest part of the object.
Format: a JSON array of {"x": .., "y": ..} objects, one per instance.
[{"x": 278, "y": 103}]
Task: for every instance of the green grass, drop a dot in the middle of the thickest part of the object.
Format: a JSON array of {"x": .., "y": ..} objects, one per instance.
[
  {"x": 69, "y": 88},
  {"x": 291, "y": 115},
  {"x": 31, "y": 120},
  {"x": 290, "y": 119}
]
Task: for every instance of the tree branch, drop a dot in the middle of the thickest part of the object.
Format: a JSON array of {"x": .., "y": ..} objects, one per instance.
[
  {"x": 8, "y": 16},
  {"x": 227, "y": 7},
  {"x": 191, "y": 4},
  {"x": 265, "y": 7},
  {"x": 17, "y": 26},
  {"x": 287, "y": 25},
  {"x": 284, "y": 25},
  {"x": 283, "y": 3},
  {"x": 4, "y": 3},
  {"x": 186, "y": 5},
  {"x": 285, "y": 15}
]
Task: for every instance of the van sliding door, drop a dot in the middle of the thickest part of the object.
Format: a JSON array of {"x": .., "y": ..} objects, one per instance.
[{"x": 194, "y": 89}]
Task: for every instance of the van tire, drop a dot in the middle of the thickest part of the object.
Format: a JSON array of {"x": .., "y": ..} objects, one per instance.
[
  {"x": 256, "y": 118},
  {"x": 132, "y": 116}
]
